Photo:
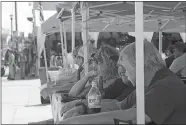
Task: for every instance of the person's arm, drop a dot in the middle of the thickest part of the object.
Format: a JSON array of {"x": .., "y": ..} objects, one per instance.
[
  {"x": 105, "y": 118},
  {"x": 80, "y": 85}
]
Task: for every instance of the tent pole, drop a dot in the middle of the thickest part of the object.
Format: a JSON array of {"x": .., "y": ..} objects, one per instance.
[
  {"x": 35, "y": 29},
  {"x": 73, "y": 32},
  {"x": 46, "y": 66},
  {"x": 139, "y": 62},
  {"x": 85, "y": 16},
  {"x": 160, "y": 37},
  {"x": 65, "y": 41},
  {"x": 62, "y": 47}
]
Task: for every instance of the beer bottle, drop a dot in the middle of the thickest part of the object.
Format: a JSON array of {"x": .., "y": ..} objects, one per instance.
[{"x": 94, "y": 99}]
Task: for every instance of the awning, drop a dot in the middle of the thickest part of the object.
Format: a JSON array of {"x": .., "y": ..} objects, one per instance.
[{"x": 119, "y": 17}]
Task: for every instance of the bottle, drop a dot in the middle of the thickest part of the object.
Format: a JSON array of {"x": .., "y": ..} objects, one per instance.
[
  {"x": 94, "y": 99},
  {"x": 100, "y": 83}
]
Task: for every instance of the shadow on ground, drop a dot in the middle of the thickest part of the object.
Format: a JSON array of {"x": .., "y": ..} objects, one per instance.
[
  {"x": 36, "y": 105},
  {"x": 46, "y": 122}
]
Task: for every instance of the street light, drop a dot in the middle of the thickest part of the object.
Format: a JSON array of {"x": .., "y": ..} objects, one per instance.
[
  {"x": 30, "y": 19},
  {"x": 11, "y": 21}
]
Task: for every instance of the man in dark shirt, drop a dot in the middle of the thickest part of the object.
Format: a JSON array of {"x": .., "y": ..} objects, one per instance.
[{"x": 165, "y": 93}]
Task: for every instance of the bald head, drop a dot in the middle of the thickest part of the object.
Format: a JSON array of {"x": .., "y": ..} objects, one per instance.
[{"x": 152, "y": 59}]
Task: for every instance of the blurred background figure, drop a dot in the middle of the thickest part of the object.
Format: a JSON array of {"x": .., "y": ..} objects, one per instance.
[
  {"x": 59, "y": 61},
  {"x": 170, "y": 56},
  {"x": 11, "y": 64},
  {"x": 52, "y": 59},
  {"x": 179, "y": 49},
  {"x": 178, "y": 66},
  {"x": 22, "y": 64}
]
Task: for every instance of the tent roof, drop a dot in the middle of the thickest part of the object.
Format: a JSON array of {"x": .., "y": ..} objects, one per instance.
[{"x": 119, "y": 17}]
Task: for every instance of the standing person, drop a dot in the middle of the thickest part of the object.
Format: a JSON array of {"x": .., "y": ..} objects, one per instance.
[
  {"x": 52, "y": 59},
  {"x": 12, "y": 66},
  {"x": 26, "y": 61},
  {"x": 34, "y": 52},
  {"x": 29, "y": 59},
  {"x": 32, "y": 56},
  {"x": 22, "y": 64}
]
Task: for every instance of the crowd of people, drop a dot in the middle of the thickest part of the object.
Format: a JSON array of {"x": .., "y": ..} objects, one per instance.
[
  {"x": 25, "y": 60},
  {"x": 165, "y": 97},
  {"x": 165, "y": 92}
]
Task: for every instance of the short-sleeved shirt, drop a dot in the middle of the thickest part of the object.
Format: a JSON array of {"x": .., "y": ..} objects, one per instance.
[
  {"x": 179, "y": 65},
  {"x": 165, "y": 99}
]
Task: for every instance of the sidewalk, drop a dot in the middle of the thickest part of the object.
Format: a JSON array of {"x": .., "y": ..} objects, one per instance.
[{"x": 21, "y": 102}]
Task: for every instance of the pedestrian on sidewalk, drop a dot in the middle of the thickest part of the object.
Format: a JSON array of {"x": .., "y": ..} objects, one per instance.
[
  {"x": 12, "y": 65},
  {"x": 22, "y": 64}
]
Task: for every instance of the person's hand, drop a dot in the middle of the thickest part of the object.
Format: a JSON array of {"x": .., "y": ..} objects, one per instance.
[
  {"x": 93, "y": 73},
  {"x": 67, "y": 106},
  {"x": 78, "y": 110},
  {"x": 46, "y": 90}
]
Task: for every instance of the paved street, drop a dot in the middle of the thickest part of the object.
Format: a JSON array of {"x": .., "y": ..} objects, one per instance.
[{"x": 21, "y": 102}]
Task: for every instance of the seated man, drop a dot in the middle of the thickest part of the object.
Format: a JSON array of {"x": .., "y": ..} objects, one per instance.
[
  {"x": 165, "y": 93},
  {"x": 178, "y": 66}
]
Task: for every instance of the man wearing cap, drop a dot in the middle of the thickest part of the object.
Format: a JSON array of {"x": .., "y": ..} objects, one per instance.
[{"x": 178, "y": 66}]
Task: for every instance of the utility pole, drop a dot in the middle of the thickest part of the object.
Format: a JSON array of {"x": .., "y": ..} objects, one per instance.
[
  {"x": 16, "y": 26},
  {"x": 11, "y": 21}
]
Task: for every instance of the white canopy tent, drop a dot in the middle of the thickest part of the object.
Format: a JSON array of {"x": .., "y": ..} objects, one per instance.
[
  {"x": 121, "y": 17},
  {"x": 111, "y": 17}
]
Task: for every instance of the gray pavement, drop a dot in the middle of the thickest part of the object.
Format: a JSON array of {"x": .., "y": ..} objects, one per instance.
[{"x": 21, "y": 102}]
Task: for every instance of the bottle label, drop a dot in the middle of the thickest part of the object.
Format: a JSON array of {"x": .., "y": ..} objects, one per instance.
[{"x": 94, "y": 101}]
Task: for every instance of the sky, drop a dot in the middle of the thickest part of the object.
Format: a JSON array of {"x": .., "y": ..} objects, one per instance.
[{"x": 23, "y": 11}]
